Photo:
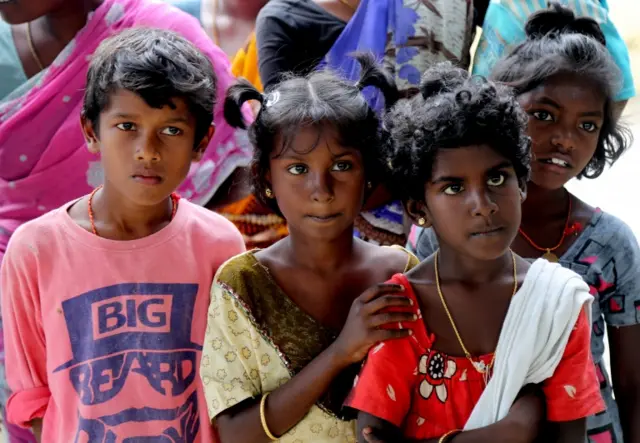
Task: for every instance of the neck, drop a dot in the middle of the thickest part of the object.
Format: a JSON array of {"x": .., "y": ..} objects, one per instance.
[
  {"x": 240, "y": 9},
  {"x": 64, "y": 23},
  {"x": 321, "y": 256},
  {"x": 543, "y": 204},
  {"x": 453, "y": 266},
  {"x": 126, "y": 219}
]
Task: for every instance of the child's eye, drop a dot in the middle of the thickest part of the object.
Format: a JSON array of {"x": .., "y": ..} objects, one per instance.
[
  {"x": 172, "y": 130},
  {"x": 297, "y": 169},
  {"x": 496, "y": 180},
  {"x": 342, "y": 166},
  {"x": 453, "y": 189},
  {"x": 126, "y": 126},
  {"x": 589, "y": 126},
  {"x": 543, "y": 115}
]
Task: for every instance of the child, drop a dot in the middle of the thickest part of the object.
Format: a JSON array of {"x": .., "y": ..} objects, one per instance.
[
  {"x": 103, "y": 299},
  {"x": 461, "y": 159},
  {"x": 566, "y": 82}
]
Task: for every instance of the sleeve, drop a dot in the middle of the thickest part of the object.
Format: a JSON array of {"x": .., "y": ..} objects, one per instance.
[
  {"x": 619, "y": 282},
  {"x": 24, "y": 337},
  {"x": 230, "y": 369},
  {"x": 385, "y": 384},
  {"x": 573, "y": 392},
  {"x": 277, "y": 53}
]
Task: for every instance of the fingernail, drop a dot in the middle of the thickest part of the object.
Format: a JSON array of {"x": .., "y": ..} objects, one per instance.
[
  {"x": 410, "y": 332},
  {"x": 400, "y": 287},
  {"x": 415, "y": 317},
  {"x": 411, "y": 302},
  {"x": 366, "y": 431}
]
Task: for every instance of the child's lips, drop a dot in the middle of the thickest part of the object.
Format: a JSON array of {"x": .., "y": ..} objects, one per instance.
[{"x": 147, "y": 179}]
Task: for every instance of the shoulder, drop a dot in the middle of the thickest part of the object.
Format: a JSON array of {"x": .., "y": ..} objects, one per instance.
[
  {"x": 37, "y": 236},
  {"x": 210, "y": 226},
  {"x": 615, "y": 233},
  {"x": 280, "y": 11},
  {"x": 392, "y": 259}
]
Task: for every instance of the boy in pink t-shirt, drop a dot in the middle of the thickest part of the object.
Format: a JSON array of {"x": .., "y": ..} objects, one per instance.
[{"x": 104, "y": 300}]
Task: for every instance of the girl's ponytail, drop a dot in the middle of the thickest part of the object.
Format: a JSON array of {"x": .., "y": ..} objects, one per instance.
[
  {"x": 237, "y": 95},
  {"x": 558, "y": 19},
  {"x": 372, "y": 75}
]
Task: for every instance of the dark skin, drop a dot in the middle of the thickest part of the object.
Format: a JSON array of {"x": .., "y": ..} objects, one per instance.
[
  {"x": 322, "y": 268},
  {"x": 565, "y": 116},
  {"x": 230, "y": 22},
  {"x": 473, "y": 203}
]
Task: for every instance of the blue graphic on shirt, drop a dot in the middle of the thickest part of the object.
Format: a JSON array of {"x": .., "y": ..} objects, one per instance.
[{"x": 141, "y": 330}]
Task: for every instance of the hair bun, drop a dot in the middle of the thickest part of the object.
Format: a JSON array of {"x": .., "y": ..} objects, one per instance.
[
  {"x": 441, "y": 78},
  {"x": 558, "y": 19}
]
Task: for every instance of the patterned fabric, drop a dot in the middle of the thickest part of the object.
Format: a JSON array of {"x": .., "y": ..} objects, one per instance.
[
  {"x": 503, "y": 29},
  {"x": 607, "y": 256},
  {"x": 257, "y": 339},
  {"x": 432, "y": 393},
  {"x": 408, "y": 36}
]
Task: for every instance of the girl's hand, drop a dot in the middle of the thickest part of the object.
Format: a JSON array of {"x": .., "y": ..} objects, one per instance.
[{"x": 368, "y": 313}]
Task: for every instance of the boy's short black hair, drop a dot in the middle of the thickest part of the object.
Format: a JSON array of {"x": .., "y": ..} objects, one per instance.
[
  {"x": 319, "y": 100},
  {"x": 156, "y": 64},
  {"x": 453, "y": 110},
  {"x": 558, "y": 42}
]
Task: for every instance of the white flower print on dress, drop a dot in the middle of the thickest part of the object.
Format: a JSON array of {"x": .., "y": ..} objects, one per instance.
[{"x": 435, "y": 370}]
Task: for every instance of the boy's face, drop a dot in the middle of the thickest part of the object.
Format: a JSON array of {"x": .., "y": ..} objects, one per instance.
[{"x": 146, "y": 152}]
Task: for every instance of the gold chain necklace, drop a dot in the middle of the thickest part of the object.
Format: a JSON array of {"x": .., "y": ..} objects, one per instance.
[
  {"x": 32, "y": 48},
  {"x": 479, "y": 366}
]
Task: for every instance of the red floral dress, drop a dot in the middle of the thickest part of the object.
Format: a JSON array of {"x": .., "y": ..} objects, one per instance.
[{"x": 427, "y": 393}]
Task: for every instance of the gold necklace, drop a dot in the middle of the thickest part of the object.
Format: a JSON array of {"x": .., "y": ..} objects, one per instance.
[
  {"x": 32, "y": 48},
  {"x": 479, "y": 366}
]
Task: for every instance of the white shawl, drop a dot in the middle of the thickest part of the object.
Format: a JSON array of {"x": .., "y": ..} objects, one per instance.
[{"x": 534, "y": 335}]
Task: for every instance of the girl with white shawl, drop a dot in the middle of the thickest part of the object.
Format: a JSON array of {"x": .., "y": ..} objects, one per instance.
[{"x": 488, "y": 322}]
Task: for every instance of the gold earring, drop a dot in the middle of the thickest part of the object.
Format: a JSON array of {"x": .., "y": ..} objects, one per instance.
[
  {"x": 422, "y": 221},
  {"x": 268, "y": 192}
]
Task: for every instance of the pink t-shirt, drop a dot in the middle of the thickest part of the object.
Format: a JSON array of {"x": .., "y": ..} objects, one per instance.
[{"x": 104, "y": 338}]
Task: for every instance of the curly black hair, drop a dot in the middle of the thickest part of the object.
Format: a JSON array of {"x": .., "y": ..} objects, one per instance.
[
  {"x": 159, "y": 66},
  {"x": 319, "y": 99},
  {"x": 453, "y": 110},
  {"x": 560, "y": 43}
]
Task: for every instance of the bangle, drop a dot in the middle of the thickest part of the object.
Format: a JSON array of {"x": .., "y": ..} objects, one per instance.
[
  {"x": 449, "y": 436},
  {"x": 263, "y": 418}
]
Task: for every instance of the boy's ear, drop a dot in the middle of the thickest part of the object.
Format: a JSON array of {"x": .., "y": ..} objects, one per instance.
[
  {"x": 417, "y": 212},
  {"x": 204, "y": 143},
  {"x": 90, "y": 135}
]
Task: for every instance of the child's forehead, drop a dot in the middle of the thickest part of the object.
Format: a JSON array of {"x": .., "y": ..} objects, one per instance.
[
  {"x": 124, "y": 101},
  {"x": 306, "y": 140},
  {"x": 468, "y": 160}
]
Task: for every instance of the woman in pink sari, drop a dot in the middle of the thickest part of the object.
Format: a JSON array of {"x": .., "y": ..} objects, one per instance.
[{"x": 45, "y": 46}]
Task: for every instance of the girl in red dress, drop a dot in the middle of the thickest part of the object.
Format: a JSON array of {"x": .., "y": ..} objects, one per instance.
[{"x": 461, "y": 158}]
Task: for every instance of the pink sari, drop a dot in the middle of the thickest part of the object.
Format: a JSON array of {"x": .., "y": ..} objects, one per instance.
[{"x": 43, "y": 158}]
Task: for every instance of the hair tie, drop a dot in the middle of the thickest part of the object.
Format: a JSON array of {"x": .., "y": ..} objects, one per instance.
[{"x": 272, "y": 99}]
